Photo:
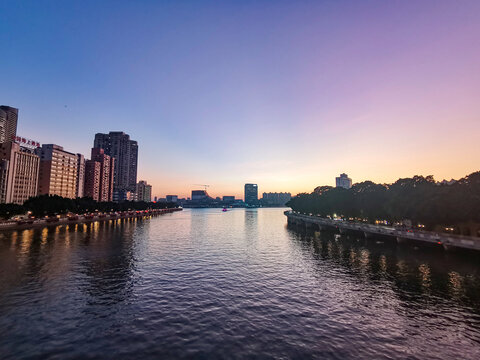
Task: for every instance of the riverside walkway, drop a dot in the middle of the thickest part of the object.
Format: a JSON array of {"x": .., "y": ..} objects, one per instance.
[
  {"x": 82, "y": 219},
  {"x": 447, "y": 241}
]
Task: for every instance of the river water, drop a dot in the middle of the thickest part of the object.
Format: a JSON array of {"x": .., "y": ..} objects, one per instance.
[{"x": 206, "y": 284}]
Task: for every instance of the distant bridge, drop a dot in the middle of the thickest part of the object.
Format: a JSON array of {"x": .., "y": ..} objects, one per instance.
[{"x": 400, "y": 235}]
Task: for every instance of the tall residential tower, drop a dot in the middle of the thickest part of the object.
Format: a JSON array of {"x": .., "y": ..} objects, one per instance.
[
  {"x": 8, "y": 123},
  {"x": 125, "y": 152}
]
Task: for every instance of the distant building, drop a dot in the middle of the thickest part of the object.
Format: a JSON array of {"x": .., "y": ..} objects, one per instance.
[
  {"x": 144, "y": 191},
  {"x": 19, "y": 169},
  {"x": 8, "y": 123},
  {"x": 228, "y": 199},
  {"x": 123, "y": 195},
  {"x": 58, "y": 171},
  {"x": 125, "y": 152},
  {"x": 172, "y": 198},
  {"x": 251, "y": 194},
  {"x": 275, "y": 199},
  {"x": 199, "y": 195},
  {"x": 343, "y": 181},
  {"x": 80, "y": 175}
]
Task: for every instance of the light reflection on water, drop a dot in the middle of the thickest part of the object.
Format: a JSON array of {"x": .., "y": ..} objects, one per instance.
[{"x": 202, "y": 283}]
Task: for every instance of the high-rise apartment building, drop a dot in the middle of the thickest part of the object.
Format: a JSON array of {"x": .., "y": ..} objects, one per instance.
[
  {"x": 58, "y": 171},
  {"x": 19, "y": 170},
  {"x": 80, "y": 175},
  {"x": 343, "y": 181},
  {"x": 8, "y": 123},
  {"x": 99, "y": 176},
  {"x": 3, "y": 180},
  {"x": 251, "y": 194},
  {"x": 125, "y": 152},
  {"x": 3, "y": 125},
  {"x": 107, "y": 169},
  {"x": 144, "y": 191},
  {"x": 92, "y": 179}
]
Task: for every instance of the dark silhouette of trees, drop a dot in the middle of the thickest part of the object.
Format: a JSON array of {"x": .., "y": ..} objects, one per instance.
[
  {"x": 419, "y": 199},
  {"x": 45, "y": 205}
]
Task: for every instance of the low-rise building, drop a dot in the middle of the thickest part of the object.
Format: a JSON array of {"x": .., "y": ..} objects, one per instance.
[
  {"x": 172, "y": 198},
  {"x": 228, "y": 199}
]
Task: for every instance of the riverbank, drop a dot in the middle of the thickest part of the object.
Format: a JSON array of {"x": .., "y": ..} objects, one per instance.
[
  {"x": 447, "y": 241},
  {"x": 83, "y": 219}
]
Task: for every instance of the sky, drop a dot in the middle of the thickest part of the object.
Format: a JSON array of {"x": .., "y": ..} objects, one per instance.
[{"x": 285, "y": 94}]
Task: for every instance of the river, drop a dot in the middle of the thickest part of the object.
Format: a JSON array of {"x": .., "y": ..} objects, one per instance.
[{"x": 202, "y": 283}]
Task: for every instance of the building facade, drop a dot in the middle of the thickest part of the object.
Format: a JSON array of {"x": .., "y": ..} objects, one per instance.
[
  {"x": 144, "y": 191},
  {"x": 80, "y": 175},
  {"x": 343, "y": 181},
  {"x": 228, "y": 199},
  {"x": 251, "y": 194},
  {"x": 107, "y": 169},
  {"x": 92, "y": 179},
  {"x": 58, "y": 171},
  {"x": 171, "y": 198},
  {"x": 3, "y": 180},
  {"x": 19, "y": 171},
  {"x": 8, "y": 123},
  {"x": 123, "y": 195},
  {"x": 125, "y": 152},
  {"x": 199, "y": 195}
]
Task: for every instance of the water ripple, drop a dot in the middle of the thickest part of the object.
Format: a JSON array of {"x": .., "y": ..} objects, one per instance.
[{"x": 207, "y": 284}]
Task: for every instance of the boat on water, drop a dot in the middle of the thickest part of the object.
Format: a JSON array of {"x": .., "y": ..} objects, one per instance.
[{"x": 224, "y": 209}]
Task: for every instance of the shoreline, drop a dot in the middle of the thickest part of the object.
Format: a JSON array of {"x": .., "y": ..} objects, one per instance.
[
  {"x": 14, "y": 225},
  {"x": 445, "y": 241}
]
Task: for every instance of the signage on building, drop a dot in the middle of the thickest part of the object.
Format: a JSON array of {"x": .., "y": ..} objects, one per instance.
[{"x": 26, "y": 142}]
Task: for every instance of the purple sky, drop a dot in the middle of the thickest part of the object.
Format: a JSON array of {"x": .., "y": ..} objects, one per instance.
[{"x": 286, "y": 94}]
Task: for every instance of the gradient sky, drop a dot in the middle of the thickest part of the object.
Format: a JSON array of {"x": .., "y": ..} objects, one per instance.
[{"x": 286, "y": 94}]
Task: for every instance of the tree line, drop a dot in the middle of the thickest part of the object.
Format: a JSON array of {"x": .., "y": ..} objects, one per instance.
[
  {"x": 46, "y": 205},
  {"x": 418, "y": 199}
]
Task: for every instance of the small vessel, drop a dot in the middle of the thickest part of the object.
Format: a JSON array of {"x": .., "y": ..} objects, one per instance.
[{"x": 224, "y": 209}]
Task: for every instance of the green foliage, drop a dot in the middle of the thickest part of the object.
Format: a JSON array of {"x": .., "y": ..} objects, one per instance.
[
  {"x": 53, "y": 205},
  {"x": 418, "y": 199}
]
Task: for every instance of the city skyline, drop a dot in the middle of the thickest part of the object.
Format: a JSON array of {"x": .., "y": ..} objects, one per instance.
[{"x": 285, "y": 95}]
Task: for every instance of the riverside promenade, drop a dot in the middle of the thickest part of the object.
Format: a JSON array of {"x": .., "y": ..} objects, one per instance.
[
  {"x": 83, "y": 219},
  {"x": 447, "y": 241}
]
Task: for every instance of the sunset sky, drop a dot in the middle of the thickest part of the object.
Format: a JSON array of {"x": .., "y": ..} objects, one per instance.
[{"x": 286, "y": 94}]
